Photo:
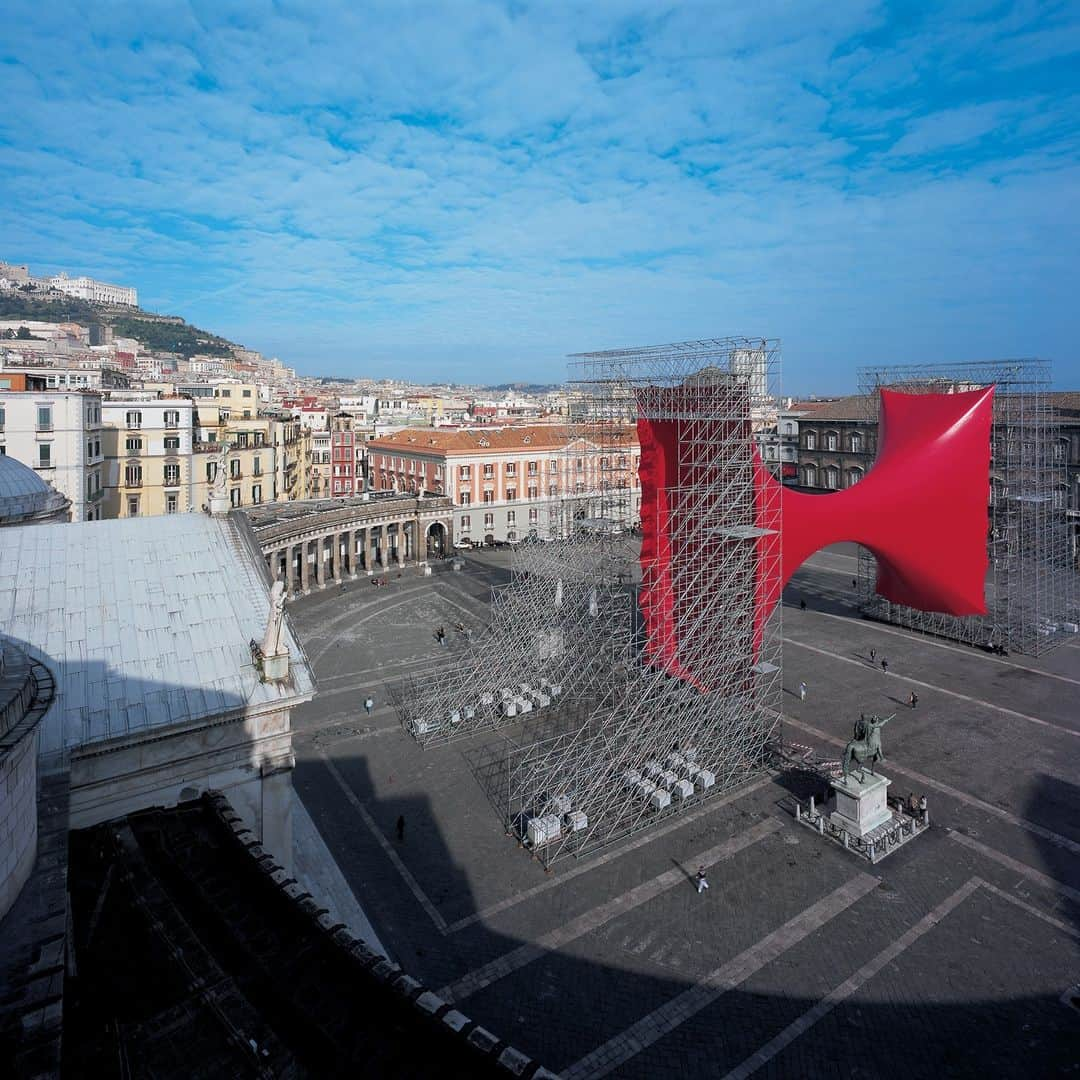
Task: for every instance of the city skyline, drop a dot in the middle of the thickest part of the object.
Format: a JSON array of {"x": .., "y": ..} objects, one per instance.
[{"x": 468, "y": 199}]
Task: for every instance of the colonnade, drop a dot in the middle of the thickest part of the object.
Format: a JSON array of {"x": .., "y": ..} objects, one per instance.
[{"x": 334, "y": 556}]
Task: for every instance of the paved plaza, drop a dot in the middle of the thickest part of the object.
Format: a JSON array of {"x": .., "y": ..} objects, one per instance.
[{"x": 957, "y": 956}]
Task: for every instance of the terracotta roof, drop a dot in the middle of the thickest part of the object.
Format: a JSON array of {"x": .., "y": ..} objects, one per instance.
[
  {"x": 479, "y": 440},
  {"x": 1064, "y": 400},
  {"x": 853, "y": 407}
]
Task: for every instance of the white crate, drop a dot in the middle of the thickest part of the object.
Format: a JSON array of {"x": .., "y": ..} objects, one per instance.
[
  {"x": 575, "y": 820},
  {"x": 667, "y": 779},
  {"x": 469, "y": 712},
  {"x": 556, "y": 690},
  {"x": 455, "y": 716},
  {"x": 682, "y": 789},
  {"x": 692, "y": 772},
  {"x": 509, "y": 708},
  {"x": 524, "y": 704},
  {"x": 704, "y": 779},
  {"x": 675, "y": 761},
  {"x": 645, "y": 787},
  {"x": 560, "y": 804},
  {"x": 653, "y": 769},
  {"x": 631, "y": 777},
  {"x": 539, "y": 699},
  {"x": 542, "y": 830},
  {"x": 659, "y": 799},
  {"x": 487, "y": 698}
]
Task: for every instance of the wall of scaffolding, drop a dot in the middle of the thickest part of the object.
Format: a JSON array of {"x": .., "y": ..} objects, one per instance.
[
  {"x": 1030, "y": 589},
  {"x": 629, "y": 665}
]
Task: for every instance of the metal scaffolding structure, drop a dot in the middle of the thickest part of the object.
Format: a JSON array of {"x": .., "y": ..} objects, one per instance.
[
  {"x": 646, "y": 684},
  {"x": 1031, "y": 587}
]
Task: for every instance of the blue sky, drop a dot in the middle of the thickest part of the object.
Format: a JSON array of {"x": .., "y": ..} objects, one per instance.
[{"x": 469, "y": 191}]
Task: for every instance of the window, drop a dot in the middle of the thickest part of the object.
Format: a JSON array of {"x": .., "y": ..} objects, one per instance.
[
  {"x": 511, "y": 494},
  {"x": 553, "y": 489},
  {"x": 224, "y": 393},
  {"x": 809, "y": 476},
  {"x": 89, "y": 449},
  {"x": 3, "y": 449},
  {"x": 89, "y": 486},
  {"x": 580, "y": 465},
  {"x": 856, "y": 441},
  {"x": 133, "y": 506},
  {"x": 489, "y": 472},
  {"x": 811, "y": 440},
  {"x": 532, "y": 468},
  {"x": 211, "y": 471},
  {"x": 44, "y": 418},
  {"x": 533, "y": 491},
  {"x": 489, "y": 520},
  {"x": 256, "y": 493},
  {"x": 256, "y": 467},
  {"x": 172, "y": 475},
  {"x": 466, "y": 521},
  {"x": 247, "y": 393},
  {"x": 45, "y": 455},
  {"x": 830, "y": 440},
  {"x": 170, "y": 503},
  {"x": 234, "y": 468},
  {"x": 579, "y": 488},
  {"x": 511, "y": 517},
  {"x": 133, "y": 419},
  {"x": 832, "y": 477},
  {"x": 466, "y": 472},
  {"x": 553, "y": 466},
  {"x": 172, "y": 417},
  {"x": 1, "y": 419},
  {"x": 97, "y": 448},
  {"x": 172, "y": 442},
  {"x": 133, "y": 444},
  {"x": 466, "y": 498},
  {"x": 511, "y": 468},
  {"x": 234, "y": 496},
  {"x": 133, "y": 475},
  {"x": 534, "y": 516},
  {"x": 489, "y": 496}
]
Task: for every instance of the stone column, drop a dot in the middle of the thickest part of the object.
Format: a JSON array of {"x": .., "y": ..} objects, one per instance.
[
  {"x": 319, "y": 560},
  {"x": 305, "y": 567},
  {"x": 401, "y": 543},
  {"x": 290, "y": 570}
]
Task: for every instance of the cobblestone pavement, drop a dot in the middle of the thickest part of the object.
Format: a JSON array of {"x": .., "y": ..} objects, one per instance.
[{"x": 949, "y": 959}]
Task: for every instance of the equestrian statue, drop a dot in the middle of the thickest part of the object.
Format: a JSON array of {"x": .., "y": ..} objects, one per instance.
[{"x": 865, "y": 748}]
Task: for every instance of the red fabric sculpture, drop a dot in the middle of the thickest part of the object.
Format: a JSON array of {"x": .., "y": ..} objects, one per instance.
[{"x": 922, "y": 511}]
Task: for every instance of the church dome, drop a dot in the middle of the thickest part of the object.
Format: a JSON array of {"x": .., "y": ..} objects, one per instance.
[{"x": 25, "y": 498}]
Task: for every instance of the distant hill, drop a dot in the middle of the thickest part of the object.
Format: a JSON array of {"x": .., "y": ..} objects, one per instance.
[
  {"x": 162, "y": 333},
  {"x": 526, "y": 388}
]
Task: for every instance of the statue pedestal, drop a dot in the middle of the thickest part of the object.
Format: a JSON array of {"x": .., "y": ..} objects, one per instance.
[
  {"x": 219, "y": 505},
  {"x": 861, "y": 806},
  {"x": 276, "y": 667}
]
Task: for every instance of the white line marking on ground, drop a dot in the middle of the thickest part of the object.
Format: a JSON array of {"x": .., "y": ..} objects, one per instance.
[
  {"x": 504, "y": 965},
  {"x": 1032, "y": 910},
  {"x": 1016, "y": 866},
  {"x": 660, "y": 1022},
  {"x": 961, "y": 796},
  {"x": 940, "y": 689},
  {"x": 849, "y": 986},
  {"x": 646, "y": 837},
  {"x": 385, "y": 844},
  {"x": 915, "y": 638},
  {"x": 363, "y": 619}
]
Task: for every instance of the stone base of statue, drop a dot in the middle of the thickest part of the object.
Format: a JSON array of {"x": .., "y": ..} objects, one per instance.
[
  {"x": 276, "y": 667},
  {"x": 219, "y": 504},
  {"x": 861, "y": 805}
]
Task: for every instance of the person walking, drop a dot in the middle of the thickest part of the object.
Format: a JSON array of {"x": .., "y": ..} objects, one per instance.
[
  {"x": 885, "y": 665},
  {"x": 369, "y": 704},
  {"x": 802, "y": 691},
  {"x": 702, "y": 884},
  {"x": 914, "y": 699},
  {"x": 873, "y": 655},
  {"x": 802, "y": 605},
  {"x": 440, "y": 635},
  {"x": 401, "y": 829}
]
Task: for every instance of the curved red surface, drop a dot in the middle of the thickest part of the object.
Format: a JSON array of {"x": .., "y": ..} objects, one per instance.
[{"x": 922, "y": 511}]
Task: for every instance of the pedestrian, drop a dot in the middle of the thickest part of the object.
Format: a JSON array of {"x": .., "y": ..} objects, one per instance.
[
  {"x": 802, "y": 605},
  {"x": 802, "y": 691},
  {"x": 702, "y": 884},
  {"x": 401, "y": 829},
  {"x": 440, "y": 635},
  {"x": 369, "y": 704},
  {"x": 854, "y": 583},
  {"x": 885, "y": 665},
  {"x": 873, "y": 655},
  {"x": 914, "y": 699}
]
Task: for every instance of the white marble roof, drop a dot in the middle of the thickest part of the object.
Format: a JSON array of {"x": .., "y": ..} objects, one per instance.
[{"x": 143, "y": 622}]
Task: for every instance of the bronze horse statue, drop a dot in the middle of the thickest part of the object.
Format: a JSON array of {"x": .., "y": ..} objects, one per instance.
[{"x": 865, "y": 748}]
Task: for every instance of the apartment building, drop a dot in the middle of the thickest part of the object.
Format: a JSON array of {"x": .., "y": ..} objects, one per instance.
[
  {"x": 507, "y": 484},
  {"x": 59, "y": 435},
  {"x": 148, "y": 463}
]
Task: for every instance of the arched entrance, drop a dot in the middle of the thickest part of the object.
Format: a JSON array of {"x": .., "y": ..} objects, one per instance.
[{"x": 436, "y": 540}]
